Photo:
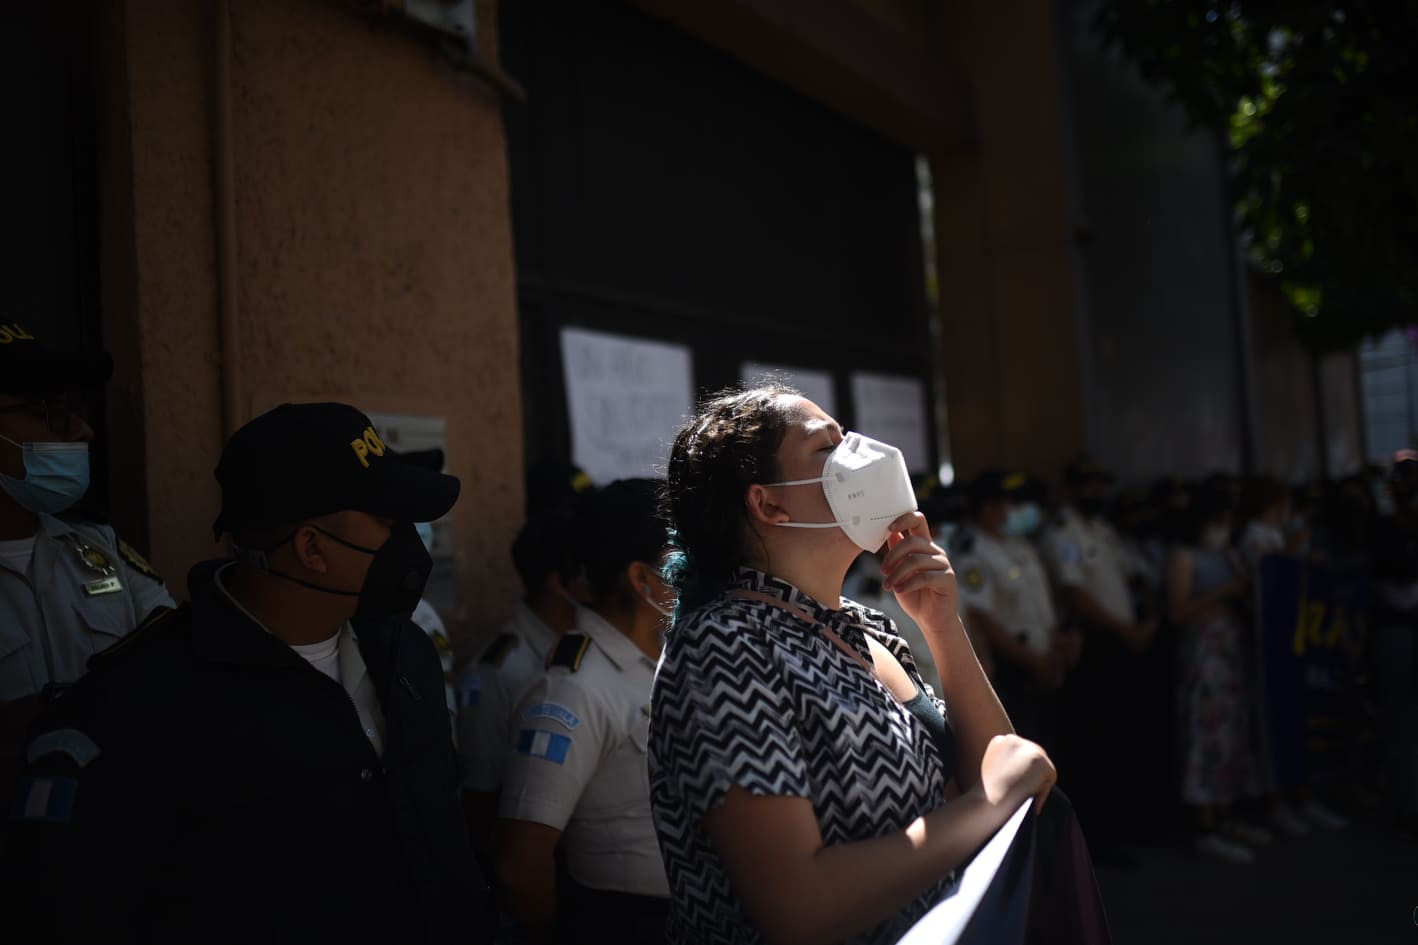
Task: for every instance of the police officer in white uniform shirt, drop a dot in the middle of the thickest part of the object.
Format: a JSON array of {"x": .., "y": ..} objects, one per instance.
[
  {"x": 1088, "y": 561},
  {"x": 69, "y": 587},
  {"x": 547, "y": 557},
  {"x": 1005, "y": 594},
  {"x": 577, "y": 781},
  {"x": 1086, "y": 558}
]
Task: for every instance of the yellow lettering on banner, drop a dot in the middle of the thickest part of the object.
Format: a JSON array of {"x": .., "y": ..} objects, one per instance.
[
  {"x": 1309, "y": 626},
  {"x": 19, "y": 333},
  {"x": 1317, "y": 621},
  {"x": 361, "y": 450},
  {"x": 372, "y": 440},
  {"x": 5, "y": 336},
  {"x": 1338, "y": 630}
]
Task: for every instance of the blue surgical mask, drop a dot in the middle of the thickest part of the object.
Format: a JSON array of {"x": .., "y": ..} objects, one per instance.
[
  {"x": 1022, "y": 520},
  {"x": 56, "y": 476}
]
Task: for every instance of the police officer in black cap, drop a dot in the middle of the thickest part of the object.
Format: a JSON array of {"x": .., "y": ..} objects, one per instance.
[
  {"x": 272, "y": 762},
  {"x": 69, "y": 587}
]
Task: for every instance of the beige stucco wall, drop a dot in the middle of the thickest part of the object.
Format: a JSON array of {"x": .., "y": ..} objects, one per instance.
[{"x": 374, "y": 258}]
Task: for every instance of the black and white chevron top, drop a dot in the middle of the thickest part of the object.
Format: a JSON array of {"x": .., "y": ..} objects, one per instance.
[{"x": 752, "y": 695}]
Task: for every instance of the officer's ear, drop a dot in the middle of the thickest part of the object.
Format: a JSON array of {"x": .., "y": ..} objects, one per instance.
[
  {"x": 308, "y": 545},
  {"x": 643, "y": 578}
]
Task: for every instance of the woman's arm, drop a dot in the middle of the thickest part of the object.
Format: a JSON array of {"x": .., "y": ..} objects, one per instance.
[
  {"x": 1182, "y": 607},
  {"x": 791, "y": 884},
  {"x": 920, "y": 574}
]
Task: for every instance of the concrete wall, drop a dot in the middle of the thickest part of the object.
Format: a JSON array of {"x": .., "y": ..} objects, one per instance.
[
  {"x": 374, "y": 260},
  {"x": 1301, "y": 436},
  {"x": 1162, "y": 356}
]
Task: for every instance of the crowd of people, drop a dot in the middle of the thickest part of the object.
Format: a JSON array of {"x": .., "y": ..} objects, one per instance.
[
  {"x": 1129, "y": 625},
  {"x": 722, "y": 694}
]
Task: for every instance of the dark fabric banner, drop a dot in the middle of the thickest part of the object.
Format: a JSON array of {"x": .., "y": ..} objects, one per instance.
[
  {"x": 1311, "y": 621},
  {"x": 1033, "y": 884}
]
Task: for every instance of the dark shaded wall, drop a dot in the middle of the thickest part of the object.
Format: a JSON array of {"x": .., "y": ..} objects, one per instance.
[{"x": 663, "y": 189}]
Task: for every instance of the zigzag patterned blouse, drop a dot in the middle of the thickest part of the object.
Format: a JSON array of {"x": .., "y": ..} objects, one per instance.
[{"x": 752, "y": 695}]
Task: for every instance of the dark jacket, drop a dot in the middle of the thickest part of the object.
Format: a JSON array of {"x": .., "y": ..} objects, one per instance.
[{"x": 234, "y": 795}]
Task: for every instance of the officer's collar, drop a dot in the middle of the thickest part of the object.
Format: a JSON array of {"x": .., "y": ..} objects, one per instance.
[
  {"x": 529, "y": 626},
  {"x": 617, "y": 647},
  {"x": 223, "y": 633},
  {"x": 52, "y": 526}
]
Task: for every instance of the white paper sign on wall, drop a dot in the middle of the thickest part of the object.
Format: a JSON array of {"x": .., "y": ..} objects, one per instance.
[
  {"x": 815, "y": 385},
  {"x": 892, "y": 408},
  {"x": 626, "y": 398}
]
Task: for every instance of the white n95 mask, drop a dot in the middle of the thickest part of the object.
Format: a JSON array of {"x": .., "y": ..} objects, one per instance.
[{"x": 867, "y": 487}]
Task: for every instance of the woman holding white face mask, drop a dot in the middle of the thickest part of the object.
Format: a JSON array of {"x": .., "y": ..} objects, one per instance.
[{"x": 798, "y": 767}]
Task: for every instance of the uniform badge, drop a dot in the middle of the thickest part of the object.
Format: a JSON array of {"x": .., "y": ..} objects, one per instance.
[
  {"x": 96, "y": 562},
  {"x": 93, "y": 559},
  {"x": 974, "y": 579}
]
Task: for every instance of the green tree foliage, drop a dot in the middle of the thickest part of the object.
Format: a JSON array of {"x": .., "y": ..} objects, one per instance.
[{"x": 1319, "y": 102}]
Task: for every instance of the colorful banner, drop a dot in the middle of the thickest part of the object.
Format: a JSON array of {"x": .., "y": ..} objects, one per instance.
[{"x": 1312, "y": 619}]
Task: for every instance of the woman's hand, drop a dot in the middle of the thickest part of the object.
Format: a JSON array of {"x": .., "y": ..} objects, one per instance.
[
  {"x": 919, "y": 572},
  {"x": 1014, "y": 769}
]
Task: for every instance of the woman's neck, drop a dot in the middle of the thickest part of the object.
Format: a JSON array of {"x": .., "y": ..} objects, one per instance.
[{"x": 811, "y": 571}]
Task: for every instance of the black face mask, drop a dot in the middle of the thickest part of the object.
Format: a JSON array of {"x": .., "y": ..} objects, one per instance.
[
  {"x": 1092, "y": 506},
  {"x": 396, "y": 578}
]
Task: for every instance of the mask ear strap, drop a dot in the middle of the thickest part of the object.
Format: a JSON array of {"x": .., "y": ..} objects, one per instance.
[
  {"x": 809, "y": 524},
  {"x": 798, "y": 482},
  {"x": 260, "y": 558}
]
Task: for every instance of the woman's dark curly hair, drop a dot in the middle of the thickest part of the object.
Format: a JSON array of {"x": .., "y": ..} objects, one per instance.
[{"x": 730, "y": 445}]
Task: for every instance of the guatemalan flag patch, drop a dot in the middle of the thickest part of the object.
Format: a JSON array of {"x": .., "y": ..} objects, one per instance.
[
  {"x": 539, "y": 743},
  {"x": 45, "y": 800}
]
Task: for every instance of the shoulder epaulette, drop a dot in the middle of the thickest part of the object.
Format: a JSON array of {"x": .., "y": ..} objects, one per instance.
[
  {"x": 147, "y": 630},
  {"x": 498, "y": 649},
  {"x": 569, "y": 651},
  {"x": 136, "y": 561}
]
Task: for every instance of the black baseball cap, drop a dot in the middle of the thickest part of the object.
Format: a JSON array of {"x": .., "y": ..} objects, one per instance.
[
  {"x": 995, "y": 484},
  {"x": 299, "y": 461},
  {"x": 30, "y": 367},
  {"x": 1084, "y": 470}
]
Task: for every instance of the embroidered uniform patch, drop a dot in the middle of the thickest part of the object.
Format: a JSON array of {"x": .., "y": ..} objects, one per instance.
[
  {"x": 974, "y": 579},
  {"x": 550, "y": 710},
  {"x": 45, "y": 800},
  {"x": 469, "y": 692},
  {"x": 136, "y": 561},
  {"x": 539, "y": 743},
  {"x": 80, "y": 748}
]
